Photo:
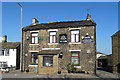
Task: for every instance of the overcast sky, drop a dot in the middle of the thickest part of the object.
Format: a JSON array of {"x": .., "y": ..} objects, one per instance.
[{"x": 104, "y": 14}]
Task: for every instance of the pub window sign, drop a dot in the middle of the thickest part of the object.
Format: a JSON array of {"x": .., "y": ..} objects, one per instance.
[
  {"x": 62, "y": 38},
  {"x": 87, "y": 39}
]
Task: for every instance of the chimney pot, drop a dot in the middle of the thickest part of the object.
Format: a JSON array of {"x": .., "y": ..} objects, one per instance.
[
  {"x": 5, "y": 38},
  {"x": 34, "y": 21}
]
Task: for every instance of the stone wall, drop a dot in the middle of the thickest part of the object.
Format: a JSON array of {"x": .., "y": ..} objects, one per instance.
[
  {"x": 116, "y": 52},
  {"x": 48, "y": 70}
]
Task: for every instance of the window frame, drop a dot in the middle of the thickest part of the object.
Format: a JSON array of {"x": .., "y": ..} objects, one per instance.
[
  {"x": 53, "y": 37},
  {"x": 3, "y": 52},
  {"x": 32, "y": 57},
  {"x": 7, "y": 52},
  {"x": 75, "y": 36},
  {"x": 75, "y": 56},
  {"x": 34, "y": 38},
  {"x": 51, "y": 60},
  {"x": 3, "y": 64}
]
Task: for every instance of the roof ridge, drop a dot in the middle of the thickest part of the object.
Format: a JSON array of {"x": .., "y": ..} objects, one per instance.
[{"x": 59, "y": 24}]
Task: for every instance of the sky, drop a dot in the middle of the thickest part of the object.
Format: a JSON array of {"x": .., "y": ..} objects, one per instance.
[{"x": 105, "y": 14}]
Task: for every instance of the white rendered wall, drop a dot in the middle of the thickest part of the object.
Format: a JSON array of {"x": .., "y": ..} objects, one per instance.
[{"x": 11, "y": 59}]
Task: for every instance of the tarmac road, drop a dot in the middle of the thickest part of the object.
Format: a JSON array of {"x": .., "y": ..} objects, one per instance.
[{"x": 99, "y": 74}]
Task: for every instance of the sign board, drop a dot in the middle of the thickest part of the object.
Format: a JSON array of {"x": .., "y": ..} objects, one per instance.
[
  {"x": 62, "y": 38},
  {"x": 87, "y": 39}
]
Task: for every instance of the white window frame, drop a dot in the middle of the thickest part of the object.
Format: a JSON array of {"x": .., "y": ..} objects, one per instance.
[
  {"x": 52, "y": 37},
  {"x": 35, "y": 37},
  {"x": 74, "y": 38}
]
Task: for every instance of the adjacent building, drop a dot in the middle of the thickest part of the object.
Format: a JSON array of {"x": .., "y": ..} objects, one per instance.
[
  {"x": 116, "y": 52},
  {"x": 104, "y": 61},
  {"x": 10, "y": 55},
  {"x": 49, "y": 47}
]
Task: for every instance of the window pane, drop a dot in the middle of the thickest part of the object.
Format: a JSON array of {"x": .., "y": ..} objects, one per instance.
[
  {"x": 52, "y": 33},
  {"x": 77, "y": 38},
  {"x": 36, "y": 39},
  {"x": 2, "y": 54},
  {"x": 34, "y": 58},
  {"x": 74, "y": 54},
  {"x": 47, "y": 60},
  {"x": 33, "y": 40},
  {"x": 0, "y": 64},
  {"x": 75, "y": 32},
  {"x": 34, "y": 34},
  {"x": 54, "y": 39},
  {"x": 50, "y": 39},
  {"x": 7, "y": 52},
  {"x": 75, "y": 60},
  {"x": 72, "y": 38}
]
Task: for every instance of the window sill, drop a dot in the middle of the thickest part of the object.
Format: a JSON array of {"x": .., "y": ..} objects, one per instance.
[
  {"x": 48, "y": 66},
  {"x": 34, "y": 44},
  {"x": 33, "y": 65},
  {"x": 74, "y": 42},
  {"x": 77, "y": 67},
  {"x": 52, "y": 43}
]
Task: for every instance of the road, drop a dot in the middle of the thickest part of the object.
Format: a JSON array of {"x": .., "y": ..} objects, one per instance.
[{"x": 99, "y": 74}]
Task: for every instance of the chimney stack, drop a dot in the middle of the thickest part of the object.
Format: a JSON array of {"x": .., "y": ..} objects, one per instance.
[
  {"x": 4, "y": 38},
  {"x": 34, "y": 21}
]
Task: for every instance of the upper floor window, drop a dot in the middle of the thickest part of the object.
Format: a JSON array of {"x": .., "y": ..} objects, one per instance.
[
  {"x": 7, "y": 52},
  {"x": 34, "y": 58},
  {"x": 52, "y": 37},
  {"x": 34, "y": 38},
  {"x": 75, "y": 35}
]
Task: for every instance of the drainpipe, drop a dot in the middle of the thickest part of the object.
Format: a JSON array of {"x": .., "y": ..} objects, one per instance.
[{"x": 57, "y": 64}]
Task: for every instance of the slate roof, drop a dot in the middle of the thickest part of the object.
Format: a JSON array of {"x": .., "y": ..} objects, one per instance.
[
  {"x": 61, "y": 24},
  {"x": 11, "y": 45},
  {"x": 103, "y": 57},
  {"x": 116, "y": 34}
]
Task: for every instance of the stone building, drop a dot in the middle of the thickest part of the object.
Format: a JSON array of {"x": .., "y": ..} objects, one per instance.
[
  {"x": 116, "y": 52},
  {"x": 49, "y": 47},
  {"x": 103, "y": 61}
]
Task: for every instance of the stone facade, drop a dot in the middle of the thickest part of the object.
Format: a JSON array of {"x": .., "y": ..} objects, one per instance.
[
  {"x": 116, "y": 52},
  {"x": 47, "y": 70},
  {"x": 87, "y": 51}
]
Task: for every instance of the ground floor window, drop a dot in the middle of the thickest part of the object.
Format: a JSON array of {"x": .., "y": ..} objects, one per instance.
[
  {"x": 34, "y": 58},
  {"x": 75, "y": 58},
  {"x": 47, "y": 60},
  {"x": 3, "y": 64}
]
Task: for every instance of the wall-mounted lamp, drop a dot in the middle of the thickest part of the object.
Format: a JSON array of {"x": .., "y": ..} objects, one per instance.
[
  {"x": 60, "y": 55},
  {"x": 27, "y": 38},
  {"x": 26, "y": 55},
  {"x": 87, "y": 34}
]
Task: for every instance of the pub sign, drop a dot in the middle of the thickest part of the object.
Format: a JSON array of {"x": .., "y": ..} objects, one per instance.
[
  {"x": 87, "y": 39},
  {"x": 62, "y": 38}
]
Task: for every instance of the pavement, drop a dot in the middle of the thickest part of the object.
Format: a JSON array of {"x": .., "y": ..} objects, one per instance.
[
  {"x": 99, "y": 74},
  {"x": 105, "y": 74}
]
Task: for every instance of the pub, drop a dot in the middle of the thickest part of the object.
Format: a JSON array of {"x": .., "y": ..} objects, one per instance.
[{"x": 59, "y": 47}]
